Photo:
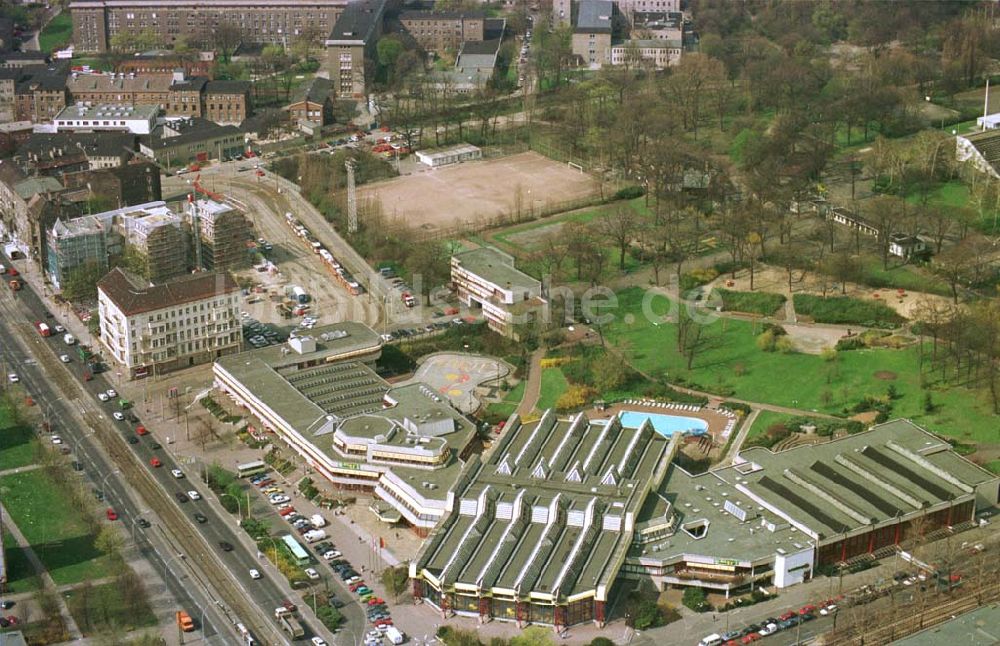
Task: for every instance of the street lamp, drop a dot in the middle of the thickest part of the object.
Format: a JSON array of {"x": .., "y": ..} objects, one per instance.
[
  {"x": 104, "y": 481},
  {"x": 239, "y": 507}
]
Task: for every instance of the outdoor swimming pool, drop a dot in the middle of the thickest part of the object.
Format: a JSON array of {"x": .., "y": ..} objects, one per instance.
[{"x": 665, "y": 425}]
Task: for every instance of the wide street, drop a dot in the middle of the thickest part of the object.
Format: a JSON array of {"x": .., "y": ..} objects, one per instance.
[{"x": 25, "y": 353}]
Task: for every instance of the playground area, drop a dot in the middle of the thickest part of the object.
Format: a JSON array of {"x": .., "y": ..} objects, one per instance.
[{"x": 457, "y": 376}]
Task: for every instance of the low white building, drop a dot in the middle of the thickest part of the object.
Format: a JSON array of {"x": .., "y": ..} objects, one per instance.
[
  {"x": 486, "y": 277},
  {"x": 657, "y": 53},
  {"x": 136, "y": 119},
  {"x": 156, "y": 328},
  {"x": 450, "y": 155}
]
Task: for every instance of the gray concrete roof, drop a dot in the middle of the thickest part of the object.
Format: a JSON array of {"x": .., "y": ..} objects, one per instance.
[{"x": 496, "y": 267}]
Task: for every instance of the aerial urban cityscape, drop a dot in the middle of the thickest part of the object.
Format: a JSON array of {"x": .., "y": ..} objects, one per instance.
[{"x": 499, "y": 322}]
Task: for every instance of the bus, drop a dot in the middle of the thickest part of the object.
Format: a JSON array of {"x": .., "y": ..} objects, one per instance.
[
  {"x": 299, "y": 553},
  {"x": 251, "y": 469}
]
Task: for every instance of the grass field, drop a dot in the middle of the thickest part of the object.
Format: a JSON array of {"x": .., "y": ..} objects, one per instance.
[
  {"x": 57, "y": 33},
  {"x": 54, "y": 528},
  {"x": 764, "y": 421},
  {"x": 510, "y": 401},
  {"x": 525, "y": 241},
  {"x": 20, "y": 575},
  {"x": 763, "y": 303},
  {"x": 104, "y": 609},
  {"x": 554, "y": 384},
  {"x": 17, "y": 444},
  {"x": 730, "y": 363}
]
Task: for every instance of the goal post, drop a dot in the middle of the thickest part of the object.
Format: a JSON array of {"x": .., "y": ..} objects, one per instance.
[{"x": 575, "y": 165}]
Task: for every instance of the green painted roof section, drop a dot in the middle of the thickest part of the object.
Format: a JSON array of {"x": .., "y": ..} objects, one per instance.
[{"x": 496, "y": 267}]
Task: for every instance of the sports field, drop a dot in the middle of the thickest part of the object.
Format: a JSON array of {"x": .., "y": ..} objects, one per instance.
[{"x": 479, "y": 193}]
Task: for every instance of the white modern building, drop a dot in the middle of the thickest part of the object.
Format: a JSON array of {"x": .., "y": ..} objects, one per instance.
[
  {"x": 156, "y": 328},
  {"x": 486, "y": 278},
  {"x": 656, "y": 53},
  {"x": 451, "y": 155},
  {"x": 320, "y": 396},
  {"x": 117, "y": 117}
]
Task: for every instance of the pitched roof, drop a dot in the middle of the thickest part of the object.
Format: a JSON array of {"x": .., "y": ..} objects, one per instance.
[
  {"x": 133, "y": 296},
  {"x": 987, "y": 143},
  {"x": 357, "y": 21},
  {"x": 227, "y": 87}
]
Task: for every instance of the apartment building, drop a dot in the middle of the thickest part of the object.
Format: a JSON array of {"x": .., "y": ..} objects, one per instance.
[
  {"x": 184, "y": 141},
  {"x": 165, "y": 65},
  {"x": 486, "y": 278},
  {"x": 350, "y": 43},
  {"x": 630, "y": 7},
  {"x": 58, "y": 153},
  {"x": 221, "y": 234},
  {"x": 158, "y": 234},
  {"x": 9, "y": 78},
  {"x": 153, "y": 328},
  {"x": 314, "y": 104},
  {"x": 40, "y": 98},
  {"x": 135, "y": 182},
  {"x": 437, "y": 31},
  {"x": 71, "y": 244},
  {"x": 28, "y": 206},
  {"x": 226, "y": 102},
  {"x": 96, "y": 22},
  {"x": 591, "y": 40},
  {"x": 123, "y": 88}
]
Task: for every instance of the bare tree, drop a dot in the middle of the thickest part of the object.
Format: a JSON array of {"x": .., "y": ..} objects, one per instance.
[{"x": 621, "y": 227}]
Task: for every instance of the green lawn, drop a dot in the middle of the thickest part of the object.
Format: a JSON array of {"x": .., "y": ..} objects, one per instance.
[
  {"x": 993, "y": 466},
  {"x": 763, "y": 303},
  {"x": 510, "y": 401},
  {"x": 103, "y": 608},
  {"x": 57, "y": 34},
  {"x": 764, "y": 421},
  {"x": 20, "y": 575},
  {"x": 903, "y": 276},
  {"x": 730, "y": 363},
  {"x": 54, "y": 528},
  {"x": 554, "y": 384},
  {"x": 17, "y": 444}
]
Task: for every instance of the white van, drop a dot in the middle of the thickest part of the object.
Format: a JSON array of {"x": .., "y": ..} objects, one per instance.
[
  {"x": 69, "y": 339},
  {"x": 281, "y": 611},
  {"x": 711, "y": 640}
]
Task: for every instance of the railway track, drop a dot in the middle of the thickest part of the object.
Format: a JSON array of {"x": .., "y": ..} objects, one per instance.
[
  {"x": 914, "y": 622},
  {"x": 141, "y": 481}
]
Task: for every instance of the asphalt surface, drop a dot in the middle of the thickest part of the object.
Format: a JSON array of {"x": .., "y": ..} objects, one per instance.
[{"x": 26, "y": 308}]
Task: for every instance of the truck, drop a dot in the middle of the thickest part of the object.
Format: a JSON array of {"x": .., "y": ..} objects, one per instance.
[
  {"x": 300, "y": 295},
  {"x": 317, "y": 521},
  {"x": 291, "y": 626},
  {"x": 394, "y": 635},
  {"x": 43, "y": 329},
  {"x": 314, "y": 535},
  {"x": 184, "y": 621},
  {"x": 408, "y": 299}
]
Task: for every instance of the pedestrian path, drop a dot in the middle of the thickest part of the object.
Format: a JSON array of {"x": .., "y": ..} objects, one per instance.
[
  {"x": 533, "y": 388},
  {"x": 24, "y": 469},
  {"x": 41, "y": 571}
]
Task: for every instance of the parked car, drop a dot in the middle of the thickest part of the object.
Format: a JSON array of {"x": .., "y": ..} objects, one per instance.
[
  {"x": 254, "y": 574},
  {"x": 177, "y": 473},
  {"x": 118, "y": 416},
  {"x": 225, "y": 546},
  {"x": 194, "y": 495},
  {"x": 102, "y": 396},
  {"x": 181, "y": 496},
  {"x": 155, "y": 462},
  {"x": 111, "y": 514},
  {"x": 312, "y": 573}
]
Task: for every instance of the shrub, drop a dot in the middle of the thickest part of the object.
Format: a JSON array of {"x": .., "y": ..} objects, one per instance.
[
  {"x": 850, "y": 343},
  {"x": 601, "y": 641},
  {"x": 694, "y": 598},
  {"x": 647, "y": 615},
  {"x": 576, "y": 396},
  {"x": 763, "y": 303},
  {"x": 629, "y": 193},
  {"x": 845, "y": 310},
  {"x": 784, "y": 345},
  {"x": 766, "y": 341},
  {"x": 697, "y": 278}
]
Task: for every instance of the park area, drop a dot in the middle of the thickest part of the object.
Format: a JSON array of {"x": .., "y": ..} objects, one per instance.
[
  {"x": 18, "y": 444},
  {"x": 474, "y": 195},
  {"x": 55, "y": 528},
  {"x": 729, "y": 362}
]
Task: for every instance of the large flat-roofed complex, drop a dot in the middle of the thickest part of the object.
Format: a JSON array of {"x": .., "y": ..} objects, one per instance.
[
  {"x": 321, "y": 397},
  {"x": 563, "y": 510},
  {"x": 539, "y": 531},
  {"x": 97, "y": 22}
]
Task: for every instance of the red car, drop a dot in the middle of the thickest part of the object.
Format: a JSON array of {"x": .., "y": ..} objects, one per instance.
[
  {"x": 111, "y": 514},
  {"x": 356, "y": 585},
  {"x": 376, "y": 601},
  {"x": 13, "y": 271},
  {"x": 788, "y": 615},
  {"x": 265, "y": 482},
  {"x": 750, "y": 638},
  {"x": 11, "y": 620},
  {"x": 155, "y": 462},
  {"x": 141, "y": 430},
  {"x": 807, "y": 609},
  {"x": 287, "y": 511}
]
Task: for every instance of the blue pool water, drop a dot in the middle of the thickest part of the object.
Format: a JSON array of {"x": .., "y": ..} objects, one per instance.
[{"x": 665, "y": 425}]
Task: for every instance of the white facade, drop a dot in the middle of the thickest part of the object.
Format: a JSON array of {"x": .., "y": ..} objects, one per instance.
[
  {"x": 658, "y": 53},
  {"x": 452, "y": 155},
  {"x": 138, "y": 119},
  {"x": 486, "y": 277},
  {"x": 628, "y": 7},
  {"x": 170, "y": 337},
  {"x": 790, "y": 569}
]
